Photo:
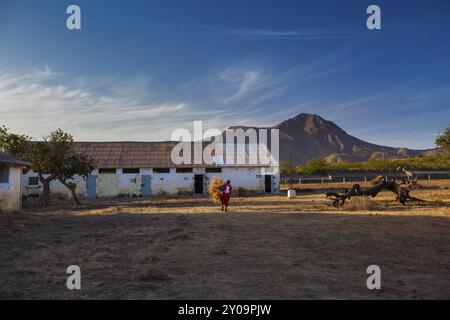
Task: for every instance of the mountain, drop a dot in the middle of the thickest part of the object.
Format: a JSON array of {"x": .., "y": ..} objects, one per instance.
[{"x": 311, "y": 137}]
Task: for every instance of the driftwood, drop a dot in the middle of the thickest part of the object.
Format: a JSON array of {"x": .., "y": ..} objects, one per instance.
[{"x": 401, "y": 190}]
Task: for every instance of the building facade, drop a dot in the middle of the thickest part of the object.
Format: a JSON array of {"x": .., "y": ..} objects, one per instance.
[
  {"x": 10, "y": 182},
  {"x": 146, "y": 168}
]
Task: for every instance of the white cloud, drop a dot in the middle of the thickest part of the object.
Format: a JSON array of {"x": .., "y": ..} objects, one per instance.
[
  {"x": 32, "y": 104},
  {"x": 286, "y": 34},
  {"x": 243, "y": 82},
  {"x": 252, "y": 83},
  {"x": 108, "y": 108}
]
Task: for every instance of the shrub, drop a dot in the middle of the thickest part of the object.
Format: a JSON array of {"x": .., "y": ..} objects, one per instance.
[{"x": 314, "y": 166}]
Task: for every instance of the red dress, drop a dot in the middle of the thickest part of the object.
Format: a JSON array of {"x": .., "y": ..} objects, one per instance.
[{"x": 226, "y": 194}]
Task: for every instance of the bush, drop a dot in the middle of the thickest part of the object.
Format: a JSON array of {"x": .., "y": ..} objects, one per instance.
[
  {"x": 314, "y": 166},
  {"x": 317, "y": 166},
  {"x": 443, "y": 142}
]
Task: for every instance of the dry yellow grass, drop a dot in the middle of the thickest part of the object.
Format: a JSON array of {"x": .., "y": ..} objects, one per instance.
[
  {"x": 215, "y": 189},
  {"x": 437, "y": 203},
  {"x": 361, "y": 204},
  {"x": 266, "y": 247}
]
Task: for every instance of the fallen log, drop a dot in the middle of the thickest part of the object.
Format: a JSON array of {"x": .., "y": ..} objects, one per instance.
[{"x": 401, "y": 190}]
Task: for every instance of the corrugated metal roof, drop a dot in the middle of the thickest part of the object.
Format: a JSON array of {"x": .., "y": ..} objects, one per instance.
[
  {"x": 6, "y": 158},
  {"x": 141, "y": 155},
  {"x": 128, "y": 154}
]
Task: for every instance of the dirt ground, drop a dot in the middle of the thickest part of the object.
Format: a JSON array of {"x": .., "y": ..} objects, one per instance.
[{"x": 267, "y": 247}]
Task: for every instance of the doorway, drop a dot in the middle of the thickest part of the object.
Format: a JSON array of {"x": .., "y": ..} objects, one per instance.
[
  {"x": 146, "y": 185},
  {"x": 198, "y": 184},
  {"x": 268, "y": 184},
  {"x": 91, "y": 187}
]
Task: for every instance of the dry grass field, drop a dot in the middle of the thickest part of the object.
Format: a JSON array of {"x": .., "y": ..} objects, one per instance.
[{"x": 267, "y": 247}]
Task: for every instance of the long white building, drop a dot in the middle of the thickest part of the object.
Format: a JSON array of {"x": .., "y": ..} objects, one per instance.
[{"x": 146, "y": 168}]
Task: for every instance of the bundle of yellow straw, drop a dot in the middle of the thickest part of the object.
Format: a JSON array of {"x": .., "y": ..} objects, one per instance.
[{"x": 215, "y": 189}]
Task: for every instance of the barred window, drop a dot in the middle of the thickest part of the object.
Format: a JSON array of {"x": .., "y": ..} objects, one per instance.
[
  {"x": 130, "y": 170},
  {"x": 33, "y": 181},
  {"x": 106, "y": 171}
]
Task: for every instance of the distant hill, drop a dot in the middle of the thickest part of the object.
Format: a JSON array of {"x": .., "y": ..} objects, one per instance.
[{"x": 311, "y": 136}]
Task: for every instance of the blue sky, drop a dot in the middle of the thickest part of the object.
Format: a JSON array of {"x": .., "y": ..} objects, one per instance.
[{"x": 139, "y": 69}]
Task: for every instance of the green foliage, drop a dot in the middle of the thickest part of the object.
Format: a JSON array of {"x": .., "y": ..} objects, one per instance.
[
  {"x": 54, "y": 155},
  {"x": 12, "y": 143},
  {"x": 425, "y": 162},
  {"x": 428, "y": 162},
  {"x": 318, "y": 166},
  {"x": 60, "y": 157},
  {"x": 314, "y": 166},
  {"x": 285, "y": 167},
  {"x": 443, "y": 142}
]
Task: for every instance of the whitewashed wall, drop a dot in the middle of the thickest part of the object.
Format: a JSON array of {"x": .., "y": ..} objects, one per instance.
[
  {"x": 170, "y": 183},
  {"x": 11, "y": 193},
  {"x": 247, "y": 178},
  {"x": 56, "y": 187},
  {"x": 129, "y": 183},
  {"x": 173, "y": 182}
]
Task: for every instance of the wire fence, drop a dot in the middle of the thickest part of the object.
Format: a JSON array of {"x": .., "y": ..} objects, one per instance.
[{"x": 420, "y": 176}]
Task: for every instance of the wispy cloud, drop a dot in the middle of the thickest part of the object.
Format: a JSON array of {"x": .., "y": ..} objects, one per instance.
[
  {"x": 254, "y": 83},
  {"x": 290, "y": 35},
  {"x": 284, "y": 34},
  {"x": 242, "y": 81},
  {"x": 32, "y": 102},
  {"x": 107, "y": 108}
]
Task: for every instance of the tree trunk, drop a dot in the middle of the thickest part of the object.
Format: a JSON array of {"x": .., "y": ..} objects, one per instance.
[
  {"x": 72, "y": 191},
  {"x": 402, "y": 193},
  {"x": 45, "y": 198}
]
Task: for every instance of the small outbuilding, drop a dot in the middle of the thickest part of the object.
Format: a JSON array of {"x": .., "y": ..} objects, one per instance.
[{"x": 10, "y": 182}]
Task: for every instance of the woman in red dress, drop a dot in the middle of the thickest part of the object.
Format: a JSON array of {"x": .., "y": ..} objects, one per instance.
[{"x": 226, "y": 195}]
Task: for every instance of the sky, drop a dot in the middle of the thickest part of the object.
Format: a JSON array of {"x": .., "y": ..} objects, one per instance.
[{"x": 137, "y": 70}]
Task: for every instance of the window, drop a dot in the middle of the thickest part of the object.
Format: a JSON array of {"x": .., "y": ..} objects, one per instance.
[
  {"x": 33, "y": 181},
  {"x": 213, "y": 170},
  {"x": 106, "y": 171},
  {"x": 184, "y": 170},
  {"x": 4, "y": 175},
  {"x": 161, "y": 170},
  {"x": 130, "y": 170}
]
